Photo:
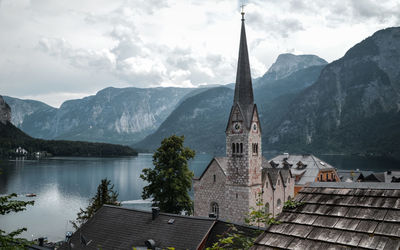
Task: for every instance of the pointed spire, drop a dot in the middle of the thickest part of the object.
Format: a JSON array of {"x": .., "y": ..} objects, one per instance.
[{"x": 243, "y": 88}]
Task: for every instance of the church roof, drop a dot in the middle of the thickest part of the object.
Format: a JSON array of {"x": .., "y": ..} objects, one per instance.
[
  {"x": 244, "y": 88},
  {"x": 222, "y": 163}
]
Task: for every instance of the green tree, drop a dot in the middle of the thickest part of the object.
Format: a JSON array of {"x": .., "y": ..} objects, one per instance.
[
  {"x": 7, "y": 205},
  {"x": 258, "y": 216},
  {"x": 105, "y": 195},
  {"x": 171, "y": 179}
]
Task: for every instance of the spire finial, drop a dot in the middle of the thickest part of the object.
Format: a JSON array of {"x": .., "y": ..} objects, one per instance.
[{"x": 242, "y": 10}]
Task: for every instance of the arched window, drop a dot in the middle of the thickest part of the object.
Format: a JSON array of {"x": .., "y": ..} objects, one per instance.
[
  {"x": 279, "y": 203},
  {"x": 241, "y": 148},
  {"x": 215, "y": 208},
  {"x": 237, "y": 148},
  {"x": 267, "y": 208},
  {"x": 233, "y": 148}
]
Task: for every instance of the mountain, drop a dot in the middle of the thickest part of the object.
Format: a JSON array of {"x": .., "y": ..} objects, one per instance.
[
  {"x": 202, "y": 117},
  {"x": 11, "y": 138},
  {"x": 5, "y": 112},
  {"x": 21, "y": 109},
  {"x": 286, "y": 64},
  {"x": 114, "y": 115},
  {"x": 352, "y": 108}
]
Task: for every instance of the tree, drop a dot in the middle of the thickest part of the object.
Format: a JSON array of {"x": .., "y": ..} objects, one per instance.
[
  {"x": 171, "y": 179},
  {"x": 7, "y": 205},
  {"x": 105, "y": 195}
]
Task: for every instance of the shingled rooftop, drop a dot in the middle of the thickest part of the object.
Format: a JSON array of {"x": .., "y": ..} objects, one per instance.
[
  {"x": 124, "y": 228},
  {"x": 338, "y": 216}
]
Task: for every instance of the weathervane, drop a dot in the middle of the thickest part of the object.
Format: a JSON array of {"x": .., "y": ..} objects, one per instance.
[{"x": 242, "y": 10}]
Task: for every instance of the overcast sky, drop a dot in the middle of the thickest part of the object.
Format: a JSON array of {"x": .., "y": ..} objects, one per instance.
[{"x": 54, "y": 50}]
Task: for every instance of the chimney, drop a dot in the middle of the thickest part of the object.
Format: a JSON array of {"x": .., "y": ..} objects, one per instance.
[
  {"x": 154, "y": 212},
  {"x": 150, "y": 244},
  {"x": 41, "y": 241}
]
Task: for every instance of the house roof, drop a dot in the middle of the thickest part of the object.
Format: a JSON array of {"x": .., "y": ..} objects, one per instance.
[
  {"x": 338, "y": 216},
  {"x": 122, "y": 228},
  {"x": 352, "y": 175},
  {"x": 312, "y": 165},
  {"x": 274, "y": 173}
]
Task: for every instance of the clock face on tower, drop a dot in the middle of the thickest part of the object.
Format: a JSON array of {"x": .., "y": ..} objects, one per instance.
[{"x": 236, "y": 127}]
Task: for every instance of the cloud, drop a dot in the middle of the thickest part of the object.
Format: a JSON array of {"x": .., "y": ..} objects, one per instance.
[{"x": 82, "y": 46}]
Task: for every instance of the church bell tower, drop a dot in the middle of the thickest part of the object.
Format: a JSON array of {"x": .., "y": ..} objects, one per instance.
[{"x": 243, "y": 131}]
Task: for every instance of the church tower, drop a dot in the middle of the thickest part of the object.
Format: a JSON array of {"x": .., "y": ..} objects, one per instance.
[{"x": 243, "y": 135}]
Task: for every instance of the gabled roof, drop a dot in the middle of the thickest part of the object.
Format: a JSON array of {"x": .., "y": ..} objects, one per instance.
[
  {"x": 122, "y": 228},
  {"x": 313, "y": 166},
  {"x": 338, "y": 216},
  {"x": 222, "y": 163}
]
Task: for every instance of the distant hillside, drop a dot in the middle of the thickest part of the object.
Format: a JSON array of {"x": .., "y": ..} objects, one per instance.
[
  {"x": 113, "y": 115},
  {"x": 352, "y": 108},
  {"x": 11, "y": 138},
  {"x": 202, "y": 118}
]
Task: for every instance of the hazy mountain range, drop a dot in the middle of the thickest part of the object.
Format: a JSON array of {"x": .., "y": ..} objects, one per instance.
[{"x": 306, "y": 105}]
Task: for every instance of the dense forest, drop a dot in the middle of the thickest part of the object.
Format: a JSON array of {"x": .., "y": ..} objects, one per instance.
[{"x": 12, "y": 138}]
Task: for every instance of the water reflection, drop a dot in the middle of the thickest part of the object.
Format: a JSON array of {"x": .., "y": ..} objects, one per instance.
[{"x": 64, "y": 184}]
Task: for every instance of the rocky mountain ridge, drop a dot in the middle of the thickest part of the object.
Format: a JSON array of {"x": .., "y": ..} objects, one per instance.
[
  {"x": 113, "y": 115},
  {"x": 354, "y": 105},
  {"x": 288, "y": 63},
  {"x": 5, "y": 111}
]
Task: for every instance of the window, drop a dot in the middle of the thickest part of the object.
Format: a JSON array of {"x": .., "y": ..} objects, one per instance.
[
  {"x": 233, "y": 148},
  {"x": 236, "y": 195},
  {"x": 237, "y": 148},
  {"x": 215, "y": 178},
  {"x": 266, "y": 184},
  {"x": 279, "y": 203},
  {"x": 215, "y": 208},
  {"x": 255, "y": 148},
  {"x": 327, "y": 177},
  {"x": 267, "y": 208},
  {"x": 241, "y": 148}
]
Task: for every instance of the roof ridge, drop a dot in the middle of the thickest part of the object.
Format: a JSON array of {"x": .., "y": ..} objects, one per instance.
[{"x": 160, "y": 213}]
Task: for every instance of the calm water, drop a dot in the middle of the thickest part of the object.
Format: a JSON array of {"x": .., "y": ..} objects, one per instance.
[{"x": 63, "y": 185}]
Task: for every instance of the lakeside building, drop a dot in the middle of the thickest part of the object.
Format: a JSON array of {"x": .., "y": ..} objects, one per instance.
[
  {"x": 231, "y": 185},
  {"x": 338, "y": 216},
  {"x": 305, "y": 168}
]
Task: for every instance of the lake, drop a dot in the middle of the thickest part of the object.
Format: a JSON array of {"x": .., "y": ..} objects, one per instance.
[{"x": 65, "y": 184}]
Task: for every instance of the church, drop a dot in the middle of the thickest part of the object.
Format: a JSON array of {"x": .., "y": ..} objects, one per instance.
[{"x": 231, "y": 185}]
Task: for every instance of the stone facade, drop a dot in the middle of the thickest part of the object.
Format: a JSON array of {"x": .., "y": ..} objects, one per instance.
[{"x": 231, "y": 185}]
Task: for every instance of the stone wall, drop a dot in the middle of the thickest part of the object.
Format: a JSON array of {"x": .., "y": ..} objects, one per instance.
[{"x": 206, "y": 191}]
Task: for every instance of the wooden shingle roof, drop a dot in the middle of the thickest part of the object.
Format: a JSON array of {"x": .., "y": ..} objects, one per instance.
[{"x": 338, "y": 216}]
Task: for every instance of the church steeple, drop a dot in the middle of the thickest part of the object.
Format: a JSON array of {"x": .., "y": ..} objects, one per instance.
[{"x": 243, "y": 88}]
